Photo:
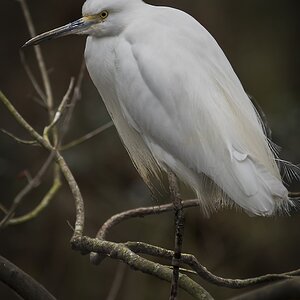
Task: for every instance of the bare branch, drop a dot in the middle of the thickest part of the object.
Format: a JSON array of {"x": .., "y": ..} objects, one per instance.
[
  {"x": 3, "y": 209},
  {"x": 30, "y": 186},
  {"x": 34, "y": 134},
  {"x": 32, "y": 78},
  {"x": 121, "y": 252},
  {"x": 20, "y": 141},
  {"x": 76, "y": 97},
  {"x": 40, "y": 58},
  {"x": 60, "y": 110},
  {"x": 87, "y": 137},
  {"x": 288, "y": 290},
  {"x": 191, "y": 261},
  {"x": 79, "y": 204},
  {"x": 41, "y": 207},
  {"x": 140, "y": 213},
  {"x": 23, "y": 284}
]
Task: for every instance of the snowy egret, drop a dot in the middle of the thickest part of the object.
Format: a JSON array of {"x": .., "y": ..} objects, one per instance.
[{"x": 177, "y": 103}]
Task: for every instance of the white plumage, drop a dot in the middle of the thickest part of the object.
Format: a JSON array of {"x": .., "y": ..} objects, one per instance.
[{"x": 177, "y": 104}]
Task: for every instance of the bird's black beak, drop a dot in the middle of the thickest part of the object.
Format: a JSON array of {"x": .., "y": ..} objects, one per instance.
[{"x": 77, "y": 27}]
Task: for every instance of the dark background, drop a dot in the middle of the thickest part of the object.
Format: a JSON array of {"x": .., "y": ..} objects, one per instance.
[{"x": 261, "y": 40}]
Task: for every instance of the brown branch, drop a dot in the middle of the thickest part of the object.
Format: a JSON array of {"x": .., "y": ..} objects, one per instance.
[
  {"x": 288, "y": 290},
  {"x": 35, "y": 182},
  {"x": 79, "y": 204},
  {"x": 23, "y": 284},
  {"x": 121, "y": 252},
  {"x": 191, "y": 261},
  {"x": 140, "y": 213},
  {"x": 179, "y": 228}
]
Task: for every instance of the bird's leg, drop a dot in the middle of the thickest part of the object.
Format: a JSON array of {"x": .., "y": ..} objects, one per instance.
[{"x": 179, "y": 228}]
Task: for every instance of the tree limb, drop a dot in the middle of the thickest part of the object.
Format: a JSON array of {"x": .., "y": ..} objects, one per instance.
[
  {"x": 121, "y": 252},
  {"x": 23, "y": 284}
]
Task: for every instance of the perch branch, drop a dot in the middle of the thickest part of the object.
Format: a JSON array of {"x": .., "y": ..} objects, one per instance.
[
  {"x": 140, "y": 213},
  {"x": 121, "y": 252},
  {"x": 191, "y": 261}
]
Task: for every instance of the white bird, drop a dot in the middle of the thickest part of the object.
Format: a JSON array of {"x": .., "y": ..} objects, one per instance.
[{"x": 177, "y": 103}]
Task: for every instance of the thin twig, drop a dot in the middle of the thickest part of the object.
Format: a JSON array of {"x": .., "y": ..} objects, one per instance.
[
  {"x": 30, "y": 186},
  {"x": 40, "y": 58},
  {"x": 60, "y": 110},
  {"x": 20, "y": 141},
  {"x": 41, "y": 207},
  {"x": 32, "y": 78},
  {"x": 23, "y": 123},
  {"x": 76, "y": 97},
  {"x": 87, "y": 137},
  {"x": 3, "y": 209}
]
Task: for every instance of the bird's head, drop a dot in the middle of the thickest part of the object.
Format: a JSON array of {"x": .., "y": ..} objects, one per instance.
[{"x": 99, "y": 18}]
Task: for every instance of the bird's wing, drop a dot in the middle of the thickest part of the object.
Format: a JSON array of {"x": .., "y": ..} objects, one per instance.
[{"x": 178, "y": 90}]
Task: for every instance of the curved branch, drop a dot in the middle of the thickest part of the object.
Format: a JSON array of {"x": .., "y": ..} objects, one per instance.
[
  {"x": 191, "y": 261},
  {"x": 23, "y": 284},
  {"x": 28, "y": 188},
  {"x": 140, "y": 213},
  {"x": 41, "y": 206},
  {"x": 288, "y": 290}
]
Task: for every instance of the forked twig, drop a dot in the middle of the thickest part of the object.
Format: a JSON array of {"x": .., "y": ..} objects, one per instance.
[{"x": 31, "y": 185}]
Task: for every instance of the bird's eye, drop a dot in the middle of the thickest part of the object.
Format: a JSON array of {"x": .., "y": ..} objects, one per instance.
[{"x": 104, "y": 14}]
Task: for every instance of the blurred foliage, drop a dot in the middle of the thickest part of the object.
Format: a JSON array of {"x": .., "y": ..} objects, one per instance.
[{"x": 261, "y": 39}]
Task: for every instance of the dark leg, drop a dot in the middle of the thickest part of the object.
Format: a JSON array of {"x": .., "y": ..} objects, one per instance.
[{"x": 179, "y": 228}]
